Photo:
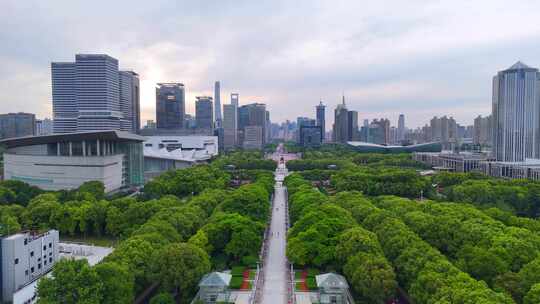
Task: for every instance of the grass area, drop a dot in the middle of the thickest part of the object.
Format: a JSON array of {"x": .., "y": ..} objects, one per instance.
[
  {"x": 298, "y": 274},
  {"x": 298, "y": 286},
  {"x": 252, "y": 273},
  {"x": 103, "y": 241},
  {"x": 236, "y": 282},
  {"x": 311, "y": 283},
  {"x": 238, "y": 270}
]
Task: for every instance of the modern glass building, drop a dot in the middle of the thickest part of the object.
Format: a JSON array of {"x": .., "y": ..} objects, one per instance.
[
  {"x": 204, "y": 116},
  {"x": 170, "y": 105},
  {"x": 516, "y": 114}
]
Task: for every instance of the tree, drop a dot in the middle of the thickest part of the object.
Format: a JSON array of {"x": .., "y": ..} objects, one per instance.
[
  {"x": 533, "y": 296},
  {"x": 72, "y": 282},
  {"x": 371, "y": 276},
  {"x": 162, "y": 298},
  {"x": 9, "y": 225},
  {"x": 95, "y": 188},
  {"x": 118, "y": 282},
  {"x": 180, "y": 266},
  {"x": 7, "y": 196},
  {"x": 356, "y": 240}
]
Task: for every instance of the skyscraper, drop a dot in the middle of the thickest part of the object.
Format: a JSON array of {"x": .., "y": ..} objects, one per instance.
[
  {"x": 482, "y": 130},
  {"x": 352, "y": 126},
  {"x": 130, "y": 101},
  {"x": 170, "y": 105},
  {"x": 516, "y": 114},
  {"x": 92, "y": 94},
  {"x": 341, "y": 123},
  {"x": 230, "y": 126},
  {"x": 203, "y": 112},
  {"x": 321, "y": 113},
  {"x": 251, "y": 115},
  {"x": 401, "y": 128},
  {"x": 217, "y": 105}
]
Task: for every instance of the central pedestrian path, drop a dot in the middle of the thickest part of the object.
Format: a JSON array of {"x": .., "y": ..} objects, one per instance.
[{"x": 275, "y": 263}]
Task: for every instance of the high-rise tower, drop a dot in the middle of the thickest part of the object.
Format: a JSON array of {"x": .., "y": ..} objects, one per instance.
[
  {"x": 401, "y": 127},
  {"x": 516, "y": 114},
  {"x": 91, "y": 94},
  {"x": 170, "y": 105},
  {"x": 203, "y": 112},
  {"x": 217, "y": 104},
  {"x": 321, "y": 121}
]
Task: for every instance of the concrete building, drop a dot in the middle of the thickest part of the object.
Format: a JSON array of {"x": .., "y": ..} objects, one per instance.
[
  {"x": 252, "y": 115},
  {"x": 449, "y": 161},
  {"x": 341, "y": 123},
  {"x": 482, "y": 130},
  {"x": 217, "y": 104},
  {"x": 310, "y": 135},
  {"x": 25, "y": 258},
  {"x": 170, "y": 105},
  {"x": 43, "y": 127},
  {"x": 163, "y": 153},
  {"x": 130, "y": 104},
  {"x": 253, "y": 137},
  {"x": 65, "y": 161},
  {"x": 86, "y": 95},
  {"x": 17, "y": 124},
  {"x": 230, "y": 126},
  {"x": 321, "y": 117},
  {"x": 516, "y": 114},
  {"x": 203, "y": 112}
]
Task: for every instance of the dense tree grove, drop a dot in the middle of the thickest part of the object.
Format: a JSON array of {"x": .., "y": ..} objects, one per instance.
[
  {"x": 186, "y": 223},
  {"x": 325, "y": 235},
  {"x": 380, "y": 249}
]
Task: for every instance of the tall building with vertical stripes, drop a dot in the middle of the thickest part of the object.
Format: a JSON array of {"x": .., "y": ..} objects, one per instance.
[
  {"x": 91, "y": 94},
  {"x": 516, "y": 114}
]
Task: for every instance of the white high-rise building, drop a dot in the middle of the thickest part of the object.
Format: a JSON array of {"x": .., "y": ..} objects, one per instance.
[
  {"x": 235, "y": 99},
  {"x": 516, "y": 114}
]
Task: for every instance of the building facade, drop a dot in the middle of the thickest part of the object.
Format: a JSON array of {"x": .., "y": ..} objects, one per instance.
[
  {"x": 401, "y": 128},
  {"x": 204, "y": 112},
  {"x": 25, "y": 258},
  {"x": 516, "y": 114},
  {"x": 130, "y": 104},
  {"x": 253, "y": 137},
  {"x": 482, "y": 130},
  {"x": 170, "y": 105},
  {"x": 87, "y": 95},
  {"x": 341, "y": 123},
  {"x": 44, "y": 126},
  {"x": 230, "y": 126},
  {"x": 352, "y": 126},
  {"x": 310, "y": 135},
  {"x": 66, "y": 161},
  {"x": 17, "y": 125},
  {"x": 217, "y": 104},
  {"x": 321, "y": 117}
]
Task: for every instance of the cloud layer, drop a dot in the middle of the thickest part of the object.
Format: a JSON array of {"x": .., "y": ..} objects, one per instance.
[{"x": 417, "y": 57}]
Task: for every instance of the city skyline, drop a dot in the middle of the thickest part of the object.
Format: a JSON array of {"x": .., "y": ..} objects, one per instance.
[{"x": 420, "y": 62}]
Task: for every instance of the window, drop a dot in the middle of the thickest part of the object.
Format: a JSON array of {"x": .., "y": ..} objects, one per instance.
[
  {"x": 44, "y": 247},
  {"x": 50, "y": 260},
  {"x": 39, "y": 259},
  {"x": 50, "y": 245},
  {"x": 26, "y": 272},
  {"x": 16, "y": 261},
  {"x": 25, "y": 241},
  {"x": 45, "y": 263},
  {"x": 32, "y": 269},
  {"x": 31, "y": 253},
  {"x": 39, "y": 266}
]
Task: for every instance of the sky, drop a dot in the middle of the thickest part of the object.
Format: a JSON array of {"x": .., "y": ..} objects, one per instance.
[{"x": 417, "y": 57}]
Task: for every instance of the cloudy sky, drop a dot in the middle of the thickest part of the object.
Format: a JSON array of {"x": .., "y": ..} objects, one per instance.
[{"x": 417, "y": 57}]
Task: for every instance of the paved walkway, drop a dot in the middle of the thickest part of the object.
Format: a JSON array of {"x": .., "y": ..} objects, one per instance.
[{"x": 275, "y": 273}]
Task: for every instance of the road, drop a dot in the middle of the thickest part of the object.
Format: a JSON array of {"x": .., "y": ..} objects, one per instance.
[{"x": 275, "y": 273}]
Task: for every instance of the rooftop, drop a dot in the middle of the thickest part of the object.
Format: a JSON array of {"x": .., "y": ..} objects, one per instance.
[
  {"x": 78, "y": 136},
  {"x": 331, "y": 280},
  {"x": 215, "y": 279}
]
